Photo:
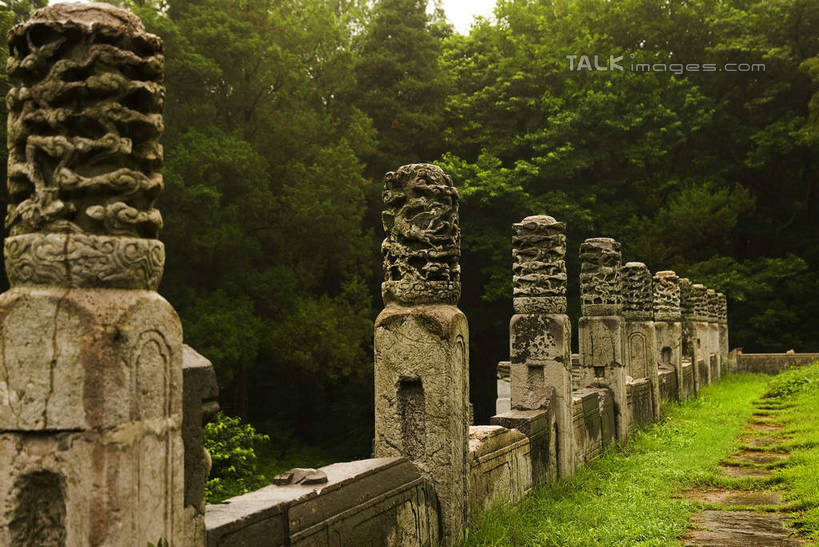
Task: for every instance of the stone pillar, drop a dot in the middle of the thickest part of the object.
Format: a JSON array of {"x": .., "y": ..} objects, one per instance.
[
  {"x": 540, "y": 336},
  {"x": 689, "y": 335},
  {"x": 422, "y": 406},
  {"x": 641, "y": 340},
  {"x": 722, "y": 322},
  {"x": 699, "y": 296},
  {"x": 91, "y": 450},
  {"x": 601, "y": 329},
  {"x": 668, "y": 325},
  {"x": 713, "y": 334}
]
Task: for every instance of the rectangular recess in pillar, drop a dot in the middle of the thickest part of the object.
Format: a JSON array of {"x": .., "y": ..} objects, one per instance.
[{"x": 413, "y": 417}]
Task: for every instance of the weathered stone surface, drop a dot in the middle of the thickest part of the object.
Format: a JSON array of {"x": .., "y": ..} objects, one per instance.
[
  {"x": 541, "y": 375},
  {"x": 594, "y": 422},
  {"x": 84, "y": 359},
  {"x": 641, "y": 359},
  {"x": 422, "y": 400},
  {"x": 601, "y": 341},
  {"x": 640, "y": 403},
  {"x": 600, "y": 289},
  {"x": 539, "y": 268},
  {"x": 638, "y": 292},
  {"x": 699, "y": 298},
  {"x": 666, "y": 296},
  {"x": 500, "y": 466},
  {"x": 739, "y": 529},
  {"x": 367, "y": 502},
  {"x": 669, "y": 352},
  {"x": 91, "y": 374},
  {"x": 540, "y": 428},
  {"x": 687, "y": 304},
  {"x": 504, "y": 401},
  {"x": 199, "y": 406},
  {"x": 84, "y": 152},
  {"x": 713, "y": 305},
  {"x": 423, "y": 243},
  {"x": 669, "y": 390},
  {"x": 120, "y": 486},
  {"x": 689, "y": 388},
  {"x": 300, "y": 475}
]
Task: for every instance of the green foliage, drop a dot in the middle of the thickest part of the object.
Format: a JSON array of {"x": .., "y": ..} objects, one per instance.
[
  {"x": 232, "y": 445},
  {"x": 794, "y": 393}
]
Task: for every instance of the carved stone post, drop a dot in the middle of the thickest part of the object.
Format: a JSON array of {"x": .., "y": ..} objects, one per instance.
[
  {"x": 91, "y": 377},
  {"x": 699, "y": 296},
  {"x": 713, "y": 334},
  {"x": 689, "y": 335},
  {"x": 422, "y": 406},
  {"x": 641, "y": 340},
  {"x": 540, "y": 331},
  {"x": 601, "y": 328},
  {"x": 668, "y": 326},
  {"x": 723, "y": 330}
]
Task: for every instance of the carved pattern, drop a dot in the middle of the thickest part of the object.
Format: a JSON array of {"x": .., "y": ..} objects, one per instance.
[
  {"x": 423, "y": 244},
  {"x": 638, "y": 296},
  {"x": 723, "y": 308},
  {"x": 686, "y": 299},
  {"x": 699, "y": 296},
  {"x": 539, "y": 267},
  {"x": 666, "y": 296},
  {"x": 713, "y": 305},
  {"x": 600, "y": 289},
  {"x": 84, "y": 261},
  {"x": 84, "y": 153}
]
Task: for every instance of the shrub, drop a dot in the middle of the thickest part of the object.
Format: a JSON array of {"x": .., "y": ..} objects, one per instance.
[{"x": 232, "y": 446}]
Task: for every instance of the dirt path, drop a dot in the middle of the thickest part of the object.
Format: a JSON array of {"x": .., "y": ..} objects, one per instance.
[{"x": 747, "y": 517}]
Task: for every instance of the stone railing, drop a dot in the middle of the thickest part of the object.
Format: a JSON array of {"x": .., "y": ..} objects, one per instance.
[{"x": 124, "y": 422}]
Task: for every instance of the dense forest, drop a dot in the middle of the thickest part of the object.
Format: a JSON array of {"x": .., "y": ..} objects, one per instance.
[{"x": 282, "y": 117}]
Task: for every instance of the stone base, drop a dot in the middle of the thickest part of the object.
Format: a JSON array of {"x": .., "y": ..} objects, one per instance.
[
  {"x": 422, "y": 406},
  {"x": 602, "y": 359},
  {"x": 641, "y": 358},
  {"x": 540, "y": 428},
  {"x": 90, "y": 417},
  {"x": 367, "y": 502},
  {"x": 500, "y": 467},
  {"x": 669, "y": 350}
]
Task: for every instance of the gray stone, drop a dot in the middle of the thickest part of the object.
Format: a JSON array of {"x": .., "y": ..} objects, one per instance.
[
  {"x": 199, "y": 406},
  {"x": 91, "y": 374},
  {"x": 638, "y": 292},
  {"x": 422, "y": 400},
  {"x": 423, "y": 244},
  {"x": 540, "y": 337},
  {"x": 666, "y": 296},
  {"x": 300, "y": 475},
  {"x": 422, "y": 409},
  {"x": 500, "y": 467},
  {"x": 71, "y": 226},
  {"x": 367, "y": 502},
  {"x": 600, "y": 286},
  {"x": 540, "y": 428},
  {"x": 503, "y": 403},
  {"x": 539, "y": 267}
]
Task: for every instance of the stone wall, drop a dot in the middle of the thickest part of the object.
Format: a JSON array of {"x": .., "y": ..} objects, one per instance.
[
  {"x": 771, "y": 363},
  {"x": 381, "y": 501}
]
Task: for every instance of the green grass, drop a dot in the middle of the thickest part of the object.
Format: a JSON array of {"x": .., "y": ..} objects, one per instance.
[
  {"x": 796, "y": 395},
  {"x": 628, "y": 496}
]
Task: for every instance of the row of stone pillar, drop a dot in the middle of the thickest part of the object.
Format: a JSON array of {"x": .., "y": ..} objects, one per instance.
[{"x": 631, "y": 324}]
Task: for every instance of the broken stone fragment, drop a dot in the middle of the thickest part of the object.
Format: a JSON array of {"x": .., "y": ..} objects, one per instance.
[{"x": 300, "y": 475}]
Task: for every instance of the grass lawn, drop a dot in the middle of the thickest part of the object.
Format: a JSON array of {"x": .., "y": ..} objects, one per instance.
[{"x": 631, "y": 494}]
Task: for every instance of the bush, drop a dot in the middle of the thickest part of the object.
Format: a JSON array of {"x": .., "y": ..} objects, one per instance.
[
  {"x": 232, "y": 446},
  {"x": 793, "y": 381}
]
